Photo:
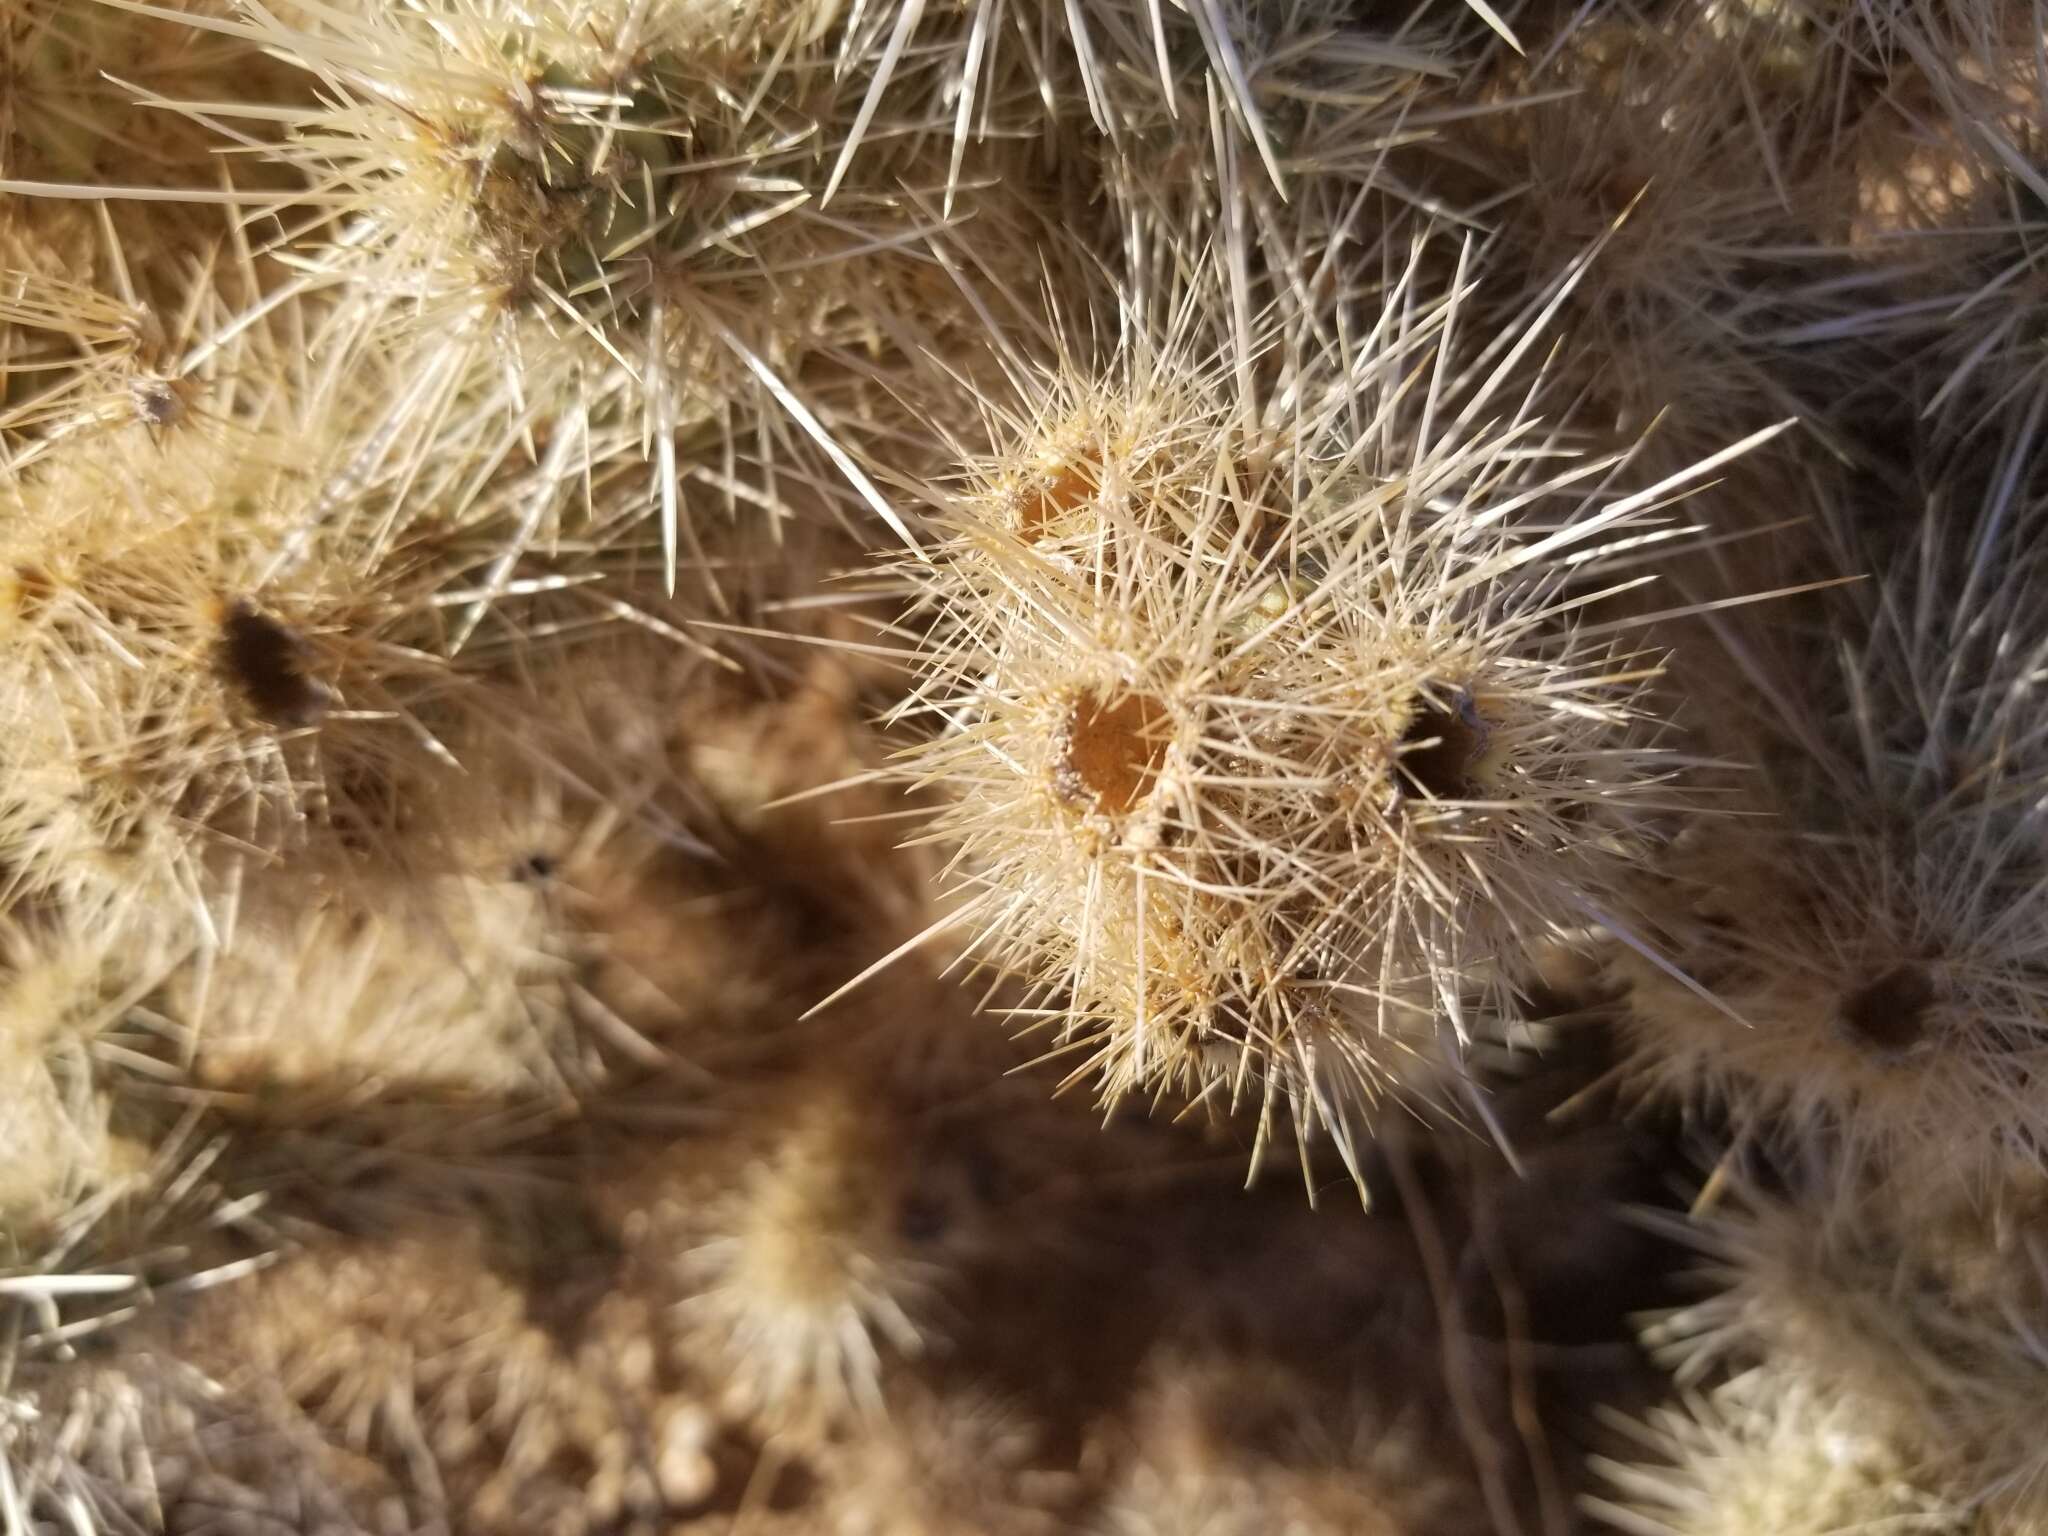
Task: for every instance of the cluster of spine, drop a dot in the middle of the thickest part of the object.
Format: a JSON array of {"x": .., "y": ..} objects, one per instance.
[
  {"x": 1276, "y": 737},
  {"x": 635, "y": 633}
]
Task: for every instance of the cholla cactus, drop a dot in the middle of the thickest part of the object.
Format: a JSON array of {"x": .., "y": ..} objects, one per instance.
[
  {"x": 453, "y": 998},
  {"x": 587, "y": 211},
  {"x": 1715, "y": 306},
  {"x": 110, "y": 362},
  {"x": 161, "y": 681},
  {"x": 1267, "y": 742},
  {"x": 62, "y": 996},
  {"x": 234, "y": 638},
  {"x": 1866, "y": 971},
  {"x": 89, "y": 348},
  {"x": 1843, "y": 988},
  {"x": 393, "y": 1358},
  {"x": 1766, "y": 1453},
  {"x": 149, "y": 1440},
  {"x": 1919, "y": 1318},
  {"x": 802, "y": 1264},
  {"x": 1953, "y": 168},
  {"x": 1118, "y": 68},
  {"x": 947, "y": 1462},
  {"x": 1225, "y": 1449},
  {"x": 81, "y": 114},
  {"x": 1322, "y": 655}
]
